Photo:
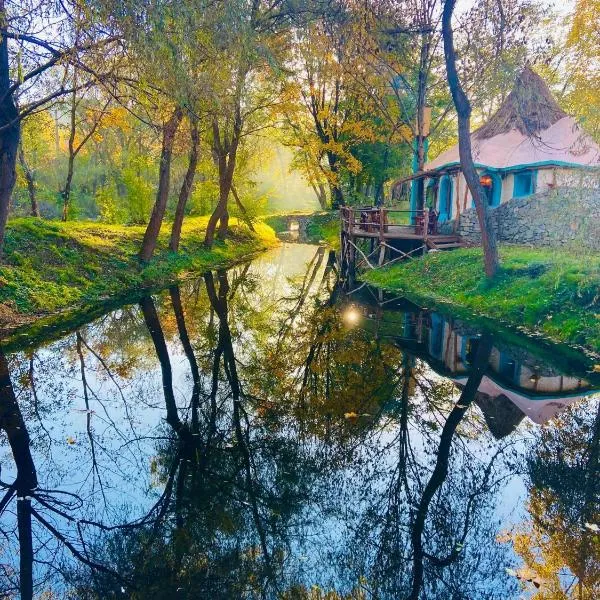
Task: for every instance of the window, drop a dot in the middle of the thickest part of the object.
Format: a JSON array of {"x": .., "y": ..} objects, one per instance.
[
  {"x": 524, "y": 184},
  {"x": 445, "y": 199}
]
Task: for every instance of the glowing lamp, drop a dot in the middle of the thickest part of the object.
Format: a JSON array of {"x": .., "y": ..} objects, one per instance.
[
  {"x": 351, "y": 316},
  {"x": 486, "y": 180}
]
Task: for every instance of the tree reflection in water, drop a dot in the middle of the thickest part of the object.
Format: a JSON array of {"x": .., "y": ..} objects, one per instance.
[{"x": 223, "y": 444}]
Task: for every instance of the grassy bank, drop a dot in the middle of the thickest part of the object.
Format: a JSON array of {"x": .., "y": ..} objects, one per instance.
[
  {"x": 544, "y": 291},
  {"x": 51, "y": 268},
  {"x": 320, "y": 226}
]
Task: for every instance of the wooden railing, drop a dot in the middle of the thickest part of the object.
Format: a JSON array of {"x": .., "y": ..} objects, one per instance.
[{"x": 372, "y": 219}]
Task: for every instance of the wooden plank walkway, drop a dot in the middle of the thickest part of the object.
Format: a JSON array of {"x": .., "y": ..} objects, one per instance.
[{"x": 372, "y": 237}]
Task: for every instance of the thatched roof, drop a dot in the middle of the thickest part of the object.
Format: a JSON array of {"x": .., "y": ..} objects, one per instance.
[
  {"x": 529, "y": 128},
  {"x": 529, "y": 108},
  {"x": 501, "y": 415}
]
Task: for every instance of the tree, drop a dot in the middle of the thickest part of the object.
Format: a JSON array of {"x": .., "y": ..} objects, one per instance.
[
  {"x": 560, "y": 548},
  {"x": 463, "y": 111},
  {"x": 248, "y": 91},
  {"x": 328, "y": 120},
  {"x": 169, "y": 129},
  {"x": 75, "y": 145},
  {"x": 186, "y": 186},
  {"x": 37, "y": 57}
]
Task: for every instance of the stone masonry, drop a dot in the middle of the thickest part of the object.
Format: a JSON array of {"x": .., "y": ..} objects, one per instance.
[{"x": 563, "y": 217}]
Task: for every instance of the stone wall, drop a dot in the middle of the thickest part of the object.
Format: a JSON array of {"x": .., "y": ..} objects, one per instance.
[{"x": 561, "y": 217}]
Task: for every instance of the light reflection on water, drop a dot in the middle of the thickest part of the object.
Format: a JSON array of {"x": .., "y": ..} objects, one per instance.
[{"x": 236, "y": 438}]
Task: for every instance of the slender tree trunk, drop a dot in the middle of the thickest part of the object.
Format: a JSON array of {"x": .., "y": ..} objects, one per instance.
[
  {"x": 162, "y": 195},
  {"x": 225, "y": 157},
  {"x": 186, "y": 187},
  {"x": 242, "y": 208},
  {"x": 223, "y": 223},
  {"x": 337, "y": 196},
  {"x": 66, "y": 193},
  {"x": 421, "y": 103},
  {"x": 322, "y": 196},
  {"x": 9, "y": 130},
  {"x": 29, "y": 178},
  {"x": 463, "y": 110}
]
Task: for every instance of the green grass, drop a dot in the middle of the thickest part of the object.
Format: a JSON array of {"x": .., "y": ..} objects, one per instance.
[
  {"x": 544, "y": 291},
  {"x": 49, "y": 267},
  {"x": 321, "y": 226},
  {"x": 324, "y": 227}
]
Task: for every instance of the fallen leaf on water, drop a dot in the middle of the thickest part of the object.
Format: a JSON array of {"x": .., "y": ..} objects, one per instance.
[{"x": 71, "y": 440}]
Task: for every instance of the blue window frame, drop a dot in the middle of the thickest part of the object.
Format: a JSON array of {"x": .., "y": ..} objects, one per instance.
[
  {"x": 436, "y": 336},
  {"x": 524, "y": 184},
  {"x": 445, "y": 199}
]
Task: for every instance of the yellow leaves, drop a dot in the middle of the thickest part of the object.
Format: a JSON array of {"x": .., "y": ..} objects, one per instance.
[
  {"x": 359, "y": 131},
  {"x": 586, "y": 24}
]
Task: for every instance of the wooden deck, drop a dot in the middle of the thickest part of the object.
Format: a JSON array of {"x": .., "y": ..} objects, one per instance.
[{"x": 375, "y": 236}]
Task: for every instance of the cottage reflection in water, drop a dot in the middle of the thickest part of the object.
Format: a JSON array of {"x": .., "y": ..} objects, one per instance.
[{"x": 516, "y": 383}]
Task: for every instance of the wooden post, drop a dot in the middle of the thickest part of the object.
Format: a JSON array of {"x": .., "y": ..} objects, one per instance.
[
  {"x": 381, "y": 260},
  {"x": 425, "y": 229},
  {"x": 351, "y": 251}
]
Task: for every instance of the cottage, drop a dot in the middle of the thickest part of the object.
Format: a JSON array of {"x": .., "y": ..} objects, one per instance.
[{"x": 530, "y": 145}]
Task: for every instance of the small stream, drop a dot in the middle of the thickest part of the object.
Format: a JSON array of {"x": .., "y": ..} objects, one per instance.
[{"x": 256, "y": 432}]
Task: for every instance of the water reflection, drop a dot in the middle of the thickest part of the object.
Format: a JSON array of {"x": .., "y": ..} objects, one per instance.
[{"x": 237, "y": 437}]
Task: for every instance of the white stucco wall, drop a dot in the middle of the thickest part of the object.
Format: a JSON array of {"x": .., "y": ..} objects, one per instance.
[{"x": 546, "y": 180}]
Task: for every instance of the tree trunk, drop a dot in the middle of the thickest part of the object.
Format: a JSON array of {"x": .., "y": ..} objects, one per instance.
[
  {"x": 243, "y": 211},
  {"x": 225, "y": 157},
  {"x": 421, "y": 103},
  {"x": 322, "y": 196},
  {"x": 9, "y": 131},
  {"x": 463, "y": 110},
  {"x": 162, "y": 195},
  {"x": 186, "y": 187},
  {"x": 337, "y": 196},
  {"x": 29, "y": 178},
  {"x": 66, "y": 193},
  {"x": 223, "y": 223}
]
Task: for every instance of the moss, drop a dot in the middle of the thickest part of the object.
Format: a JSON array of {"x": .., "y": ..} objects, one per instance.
[
  {"x": 50, "y": 267},
  {"x": 549, "y": 292}
]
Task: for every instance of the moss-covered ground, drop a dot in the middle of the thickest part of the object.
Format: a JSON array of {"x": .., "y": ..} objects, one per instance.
[
  {"x": 50, "y": 267},
  {"x": 543, "y": 290}
]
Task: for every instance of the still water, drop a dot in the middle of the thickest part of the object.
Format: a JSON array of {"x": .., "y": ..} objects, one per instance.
[{"x": 261, "y": 433}]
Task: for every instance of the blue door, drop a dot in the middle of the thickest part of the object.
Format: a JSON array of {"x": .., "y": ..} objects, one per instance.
[{"x": 445, "y": 199}]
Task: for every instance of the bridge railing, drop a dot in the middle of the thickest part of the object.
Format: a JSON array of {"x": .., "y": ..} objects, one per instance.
[{"x": 375, "y": 219}]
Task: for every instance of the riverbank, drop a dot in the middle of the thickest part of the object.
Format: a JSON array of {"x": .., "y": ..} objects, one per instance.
[
  {"x": 315, "y": 227},
  {"x": 541, "y": 291},
  {"x": 53, "y": 269}
]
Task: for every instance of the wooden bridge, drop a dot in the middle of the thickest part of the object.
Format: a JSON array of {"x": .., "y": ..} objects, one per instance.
[{"x": 375, "y": 236}]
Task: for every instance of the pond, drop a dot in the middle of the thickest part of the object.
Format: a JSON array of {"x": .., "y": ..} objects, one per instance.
[{"x": 263, "y": 433}]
